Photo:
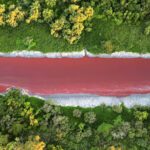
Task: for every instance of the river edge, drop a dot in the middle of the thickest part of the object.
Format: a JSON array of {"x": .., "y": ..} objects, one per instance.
[{"x": 79, "y": 54}]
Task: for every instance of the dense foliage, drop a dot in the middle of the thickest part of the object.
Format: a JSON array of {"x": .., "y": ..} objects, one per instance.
[
  {"x": 69, "y": 18},
  {"x": 130, "y": 11},
  {"x": 28, "y": 123}
]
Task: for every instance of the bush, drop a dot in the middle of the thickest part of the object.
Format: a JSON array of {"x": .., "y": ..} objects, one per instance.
[
  {"x": 122, "y": 11},
  {"x": 2, "y": 18},
  {"x": 108, "y": 46},
  {"x": 3, "y": 139},
  {"x": 33, "y": 143},
  {"x": 34, "y": 12},
  {"x": 51, "y": 3},
  {"x": 117, "y": 109},
  {"x": 104, "y": 129},
  {"x": 141, "y": 115},
  {"x": 77, "y": 113},
  {"x": 90, "y": 117},
  {"x": 15, "y": 16},
  {"x": 29, "y": 42},
  {"x": 147, "y": 30},
  {"x": 48, "y": 15}
]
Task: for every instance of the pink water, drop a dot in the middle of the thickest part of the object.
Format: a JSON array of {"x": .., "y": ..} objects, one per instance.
[{"x": 101, "y": 76}]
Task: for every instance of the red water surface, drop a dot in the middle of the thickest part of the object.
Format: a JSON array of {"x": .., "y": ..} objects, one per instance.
[
  {"x": 3, "y": 88},
  {"x": 102, "y": 76}
]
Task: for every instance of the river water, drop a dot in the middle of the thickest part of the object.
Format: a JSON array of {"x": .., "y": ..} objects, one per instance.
[{"x": 99, "y": 76}]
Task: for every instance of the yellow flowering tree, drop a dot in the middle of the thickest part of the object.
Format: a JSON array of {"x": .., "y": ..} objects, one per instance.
[
  {"x": 57, "y": 27},
  {"x": 67, "y": 18},
  {"x": 15, "y": 16},
  {"x": 114, "y": 148},
  {"x": 2, "y": 10},
  {"x": 73, "y": 23},
  {"x": 33, "y": 143},
  {"x": 28, "y": 113},
  {"x": 48, "y": 15},
  {"x": 34, "y": 12},
  {"x": 89, "y": 12},
  {"x": 51, "y": 3}
]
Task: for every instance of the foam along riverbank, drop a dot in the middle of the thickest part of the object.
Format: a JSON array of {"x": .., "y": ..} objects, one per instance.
[
  {"x": 90, "y": 100},
  {"x": 79, "y": 54}
]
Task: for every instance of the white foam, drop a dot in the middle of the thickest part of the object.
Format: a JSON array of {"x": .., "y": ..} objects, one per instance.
[
  {"x": 38, "y": 54},
  {"x": 90, "y": 100},
  {"x": 78, "y": 54},
  {"x": 121, "y": 54},
  {"x": 73, "y": 54},
  {"x": 87, "y": 100}
]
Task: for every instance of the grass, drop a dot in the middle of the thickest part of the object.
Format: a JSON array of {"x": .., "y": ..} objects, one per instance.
[
  {"x": 13, "y": 39},
  {"x": 122, "y": 38}
]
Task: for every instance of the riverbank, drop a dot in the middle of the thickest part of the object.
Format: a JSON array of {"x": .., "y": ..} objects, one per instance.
[
  {"x": 74, "y": 54},
  {"x": 34, "y": 122},
  {"x": 105, "y": 37}
]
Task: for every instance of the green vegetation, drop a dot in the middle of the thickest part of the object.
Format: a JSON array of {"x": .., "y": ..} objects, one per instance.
[
  {"x": 28, "y": 123},
  {"x": 100, "y": 26},
  {"x": 15, "y": 39},
  {"x": 66, "y": 19},
  {"x": 107, "y": 37},
  {"x": 123, "y": 37}
]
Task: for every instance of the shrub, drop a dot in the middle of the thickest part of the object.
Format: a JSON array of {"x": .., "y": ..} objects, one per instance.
[
  {"x": 29, "y": 42},
  {"x": 17, "y": 128},
  {"x": 57, "y": 26},
  {"x": 115, "y": 148},
  {"x": 15, "y": 16},
  {"x": 141, "y": 115},
  {"x": 104, "y": 129},
  {"x": 122, "y": 11},
  {"x": 3, "y": 139},
  {"x": 2, "y": 18},
  {"x": 77, "y": 113},
  {"x": 108, "y": 46},
  {"x": 34, "y": 12},
  {"x": 117, "y": 108},
  {"x": 118, "y": 120},
  {"x": 51, "y": 3},
  {"x": 48, "y": 15},
  {"x": 53, "y": 147},
  {"x": 33, "y": 143},
  {"x": 147, "y": 30},
  {"x": 2, "y": 8},
  {"x": 90, "y": 117},
  {"x": 2, "y": 21}
]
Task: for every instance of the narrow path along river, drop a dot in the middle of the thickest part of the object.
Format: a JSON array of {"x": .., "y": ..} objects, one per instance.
[{"x": 101, "y": 76}]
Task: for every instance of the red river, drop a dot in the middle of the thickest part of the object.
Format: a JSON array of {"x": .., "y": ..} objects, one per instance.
[{"x": 101, "y": 76}]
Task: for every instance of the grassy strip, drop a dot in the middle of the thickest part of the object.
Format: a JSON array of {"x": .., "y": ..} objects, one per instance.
[
  {"x": 121, "y": 38},
  {"x": 14, "y": 39},
  {"x": 106, "y": 37}
]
